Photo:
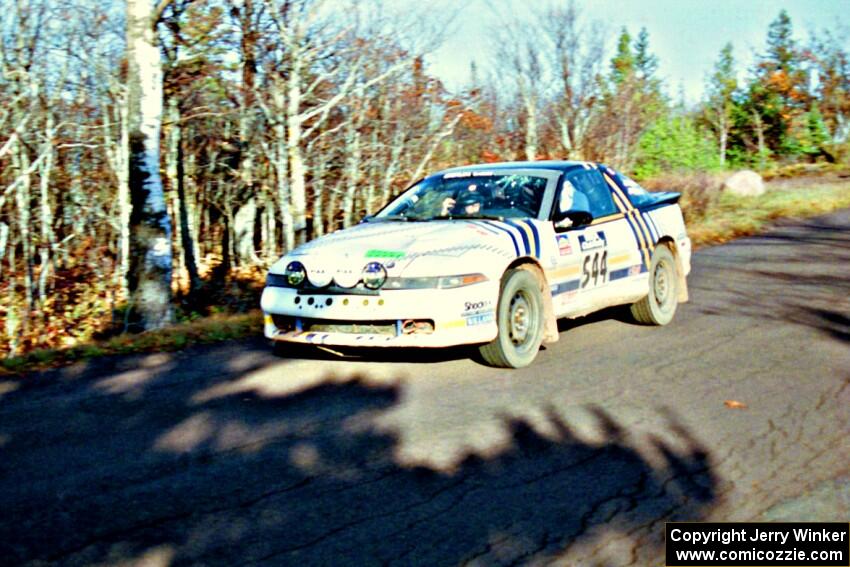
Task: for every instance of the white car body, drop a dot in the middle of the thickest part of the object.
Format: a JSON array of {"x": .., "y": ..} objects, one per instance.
[{"x": 331, "y": 314}]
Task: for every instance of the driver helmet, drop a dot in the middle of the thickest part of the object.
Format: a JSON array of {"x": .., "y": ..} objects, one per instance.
[{"x": 468, "y": 198}]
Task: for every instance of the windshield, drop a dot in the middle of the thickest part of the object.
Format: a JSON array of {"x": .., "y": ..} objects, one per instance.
[{"x": 469, "y": 195}]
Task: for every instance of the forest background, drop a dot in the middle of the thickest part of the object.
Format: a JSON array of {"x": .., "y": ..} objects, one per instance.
[{"x": 278, "y": 121}]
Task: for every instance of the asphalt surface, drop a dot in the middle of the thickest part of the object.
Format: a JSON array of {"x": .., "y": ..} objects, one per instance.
[{"x": 229, "y": 455}]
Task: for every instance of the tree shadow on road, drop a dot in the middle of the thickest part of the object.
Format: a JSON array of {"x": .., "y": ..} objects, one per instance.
[
  {"x": 154, "y": 468},
  {"x": 796, "y": 273}
]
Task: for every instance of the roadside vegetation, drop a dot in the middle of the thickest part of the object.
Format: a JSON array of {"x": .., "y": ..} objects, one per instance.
[{"x": 282, "y": 121}]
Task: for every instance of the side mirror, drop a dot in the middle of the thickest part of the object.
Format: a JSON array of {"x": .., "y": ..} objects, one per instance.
[{"x": 572, "y": 218}]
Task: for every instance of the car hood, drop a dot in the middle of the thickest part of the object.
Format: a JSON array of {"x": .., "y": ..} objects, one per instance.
[{"x": 413, "y": 248}]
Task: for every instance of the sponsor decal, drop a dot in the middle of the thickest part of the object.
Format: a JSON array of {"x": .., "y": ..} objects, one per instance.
[
  {"x": 634, "y": 270},
  {"x": 476, "y": 306},
  {"x": 591, "y": 242},
  {"x": 564, "y": 248},
  {"x": 478, "y": 312},
  {"x": 462, "y": 174},
  {"x": 376, "y": 253},
  {"x": 482, "y": 319}
]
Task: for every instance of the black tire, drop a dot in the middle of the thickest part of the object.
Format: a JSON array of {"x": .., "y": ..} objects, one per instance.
[
  {"x": 520, "y": 318},
  {"x": 659, "y": 306}
]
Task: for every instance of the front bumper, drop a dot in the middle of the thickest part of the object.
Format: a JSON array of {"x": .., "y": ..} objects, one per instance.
[{"x": 464, "y": 315}]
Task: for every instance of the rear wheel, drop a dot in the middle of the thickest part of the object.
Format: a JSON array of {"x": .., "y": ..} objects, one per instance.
[
  {"x": 659, "y": 306},
  {"x": 519, "y": 316}
]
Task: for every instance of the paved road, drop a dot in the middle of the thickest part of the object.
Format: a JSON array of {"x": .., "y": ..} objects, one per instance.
[{"x": 229, "y": 455}]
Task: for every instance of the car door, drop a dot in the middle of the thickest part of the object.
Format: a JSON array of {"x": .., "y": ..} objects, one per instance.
[{"x": 592, "y": 258}]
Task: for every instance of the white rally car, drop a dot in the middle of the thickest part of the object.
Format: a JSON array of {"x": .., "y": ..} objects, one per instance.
[{"x": 487, "y": 254}]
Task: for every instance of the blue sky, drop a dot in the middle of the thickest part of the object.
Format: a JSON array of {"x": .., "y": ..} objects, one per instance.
[{"x": 685, "y": 35}]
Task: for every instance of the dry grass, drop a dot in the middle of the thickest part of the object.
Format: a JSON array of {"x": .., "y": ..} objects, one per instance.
[
  {"x": 731, "y": 216},
  {"x": 207, "y": 330}
]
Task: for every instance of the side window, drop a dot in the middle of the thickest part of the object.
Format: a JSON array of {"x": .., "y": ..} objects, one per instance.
[
  {"x": 637, "y": 194},
  {"x": 594, "y": 187}
]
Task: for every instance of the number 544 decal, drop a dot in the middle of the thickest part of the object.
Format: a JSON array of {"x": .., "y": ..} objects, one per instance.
[{"x": 594, "y": 269}]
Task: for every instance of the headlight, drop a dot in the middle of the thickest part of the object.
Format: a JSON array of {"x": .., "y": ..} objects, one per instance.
[
  {"x": 295, "y": 274},
  {"x": 346, "y": 277},
  {"x": 435, "y": 282},
  {"x": 319, "y": 277},
  {"x": 374, "y": 275}
]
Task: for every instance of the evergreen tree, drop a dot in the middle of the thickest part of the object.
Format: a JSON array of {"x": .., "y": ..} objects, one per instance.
[
  {"x": 623, "y": 63},
  {"x": 644, "y": 61},
  {"x": 778, "y": 93}
]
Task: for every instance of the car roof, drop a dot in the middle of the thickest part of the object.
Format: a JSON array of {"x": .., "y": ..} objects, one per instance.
[{"x": 552, "y": 165}]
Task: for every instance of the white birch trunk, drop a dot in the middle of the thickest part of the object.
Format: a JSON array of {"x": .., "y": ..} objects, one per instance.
[
  {"x": 150, "y": 226},
  {"x": 297, "y": 168},
  {"x": 48, "y": 239}
]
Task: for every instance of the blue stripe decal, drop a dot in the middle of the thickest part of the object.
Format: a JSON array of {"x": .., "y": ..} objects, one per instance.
[
  {"x": 627, "y": 213},
  {"x": 524, "y": 237},
  {"x": 626, "y": 272},
  {"x": 563, "y": 287},
  {"x": 509, "y": 232},
  {"x": 619, "y": 274},
  {"x": 536, "y": 238},
  {"x": 641, "y": 224},
  {"x": 637, "y": 240}
]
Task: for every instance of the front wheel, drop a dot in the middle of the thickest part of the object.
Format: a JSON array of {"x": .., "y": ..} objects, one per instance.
[
  {"x": 659, "y": 306},
  {"x": 519, "y": 316}
]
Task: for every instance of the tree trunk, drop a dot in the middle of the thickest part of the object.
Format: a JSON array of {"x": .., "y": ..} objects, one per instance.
[
  {"x": 48, "y": 239},
  {"x": 177, "y": 174},
  {"x": 117, "y": 154},
  {"x": 149, "y": 277},
  {"x": 279, "y": 158},
  {"x": 352, "y": 171},
  {"x": 760, "y": 134},
  {"x": 297, "y": 168},
  {"x": 318, "y": 200},
  {"x": 530, "y": 129},
  {"x": 244, "y": 222}
]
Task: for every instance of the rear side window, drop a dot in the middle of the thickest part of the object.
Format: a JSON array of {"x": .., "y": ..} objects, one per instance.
[
  {"x": 637, "y": 194},
  {"x": 594, "y": 187}
]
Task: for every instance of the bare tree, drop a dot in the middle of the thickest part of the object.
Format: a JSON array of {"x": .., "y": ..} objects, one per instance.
[
  {"x": 518, "y": 49},
  {"x": 575, "y": 54}
]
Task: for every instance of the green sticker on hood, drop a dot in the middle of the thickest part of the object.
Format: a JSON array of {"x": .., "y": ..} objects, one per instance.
[{"x": 393, "y": 254}]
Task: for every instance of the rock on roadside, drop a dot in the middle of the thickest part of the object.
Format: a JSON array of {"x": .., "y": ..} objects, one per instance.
[{"x": 745, "y": 183}]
